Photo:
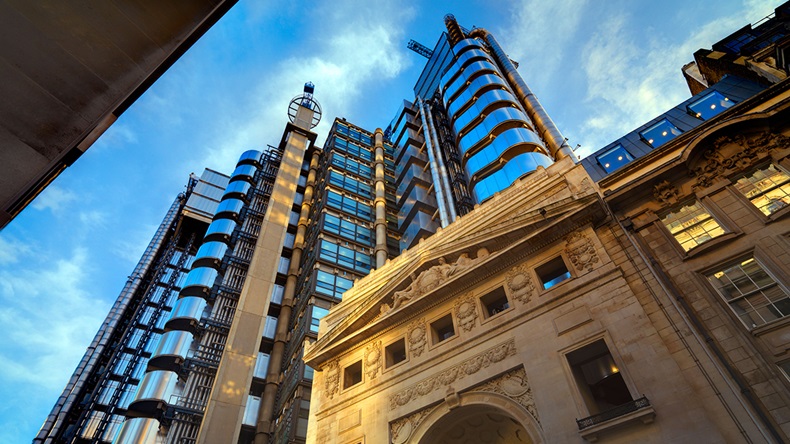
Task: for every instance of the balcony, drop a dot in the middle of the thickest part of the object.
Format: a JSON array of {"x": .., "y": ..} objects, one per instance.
[{"x": 631, "y": 412}]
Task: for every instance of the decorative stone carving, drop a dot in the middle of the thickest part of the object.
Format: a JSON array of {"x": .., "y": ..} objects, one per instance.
[
  {"x": 466, "y": 311},
  {"x": 453, "y": 374},
  {"x": 514, "y": 385},
  {"x": 665, "y": 193},
  {"x": 431, "y": 279},
  {"x": 519, "y": 282},
  {"x": 581, "y": 251},
  {"x": 417, "y": 337},
  {"x": 715, "y": 163},
  {"x": 401, "y": 430},
  {"x": 373, "y": 359},
  {"x": 332, "y": 378}
]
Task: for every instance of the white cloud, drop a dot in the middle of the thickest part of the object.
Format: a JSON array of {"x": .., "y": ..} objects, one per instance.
[
  {"x": 12, "y": 250},
  {"x": 53, "y": 198},
  {"x": 539, "y": 35},
  {"x": 630, "y": 80},
  {"x": 355, "y": 50}
]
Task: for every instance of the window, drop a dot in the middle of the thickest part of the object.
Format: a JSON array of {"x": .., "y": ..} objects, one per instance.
[
  {"x": 598, "y": 377},
  {"x": 349, "y": 205},
  {"x": 329, "y": 284},
  {"x": 754, "y": 296},
  {"x": 691, "y": 225},
  {"x": 352, "y": 375},
  {"x": 710, "y": 105},
  {"x": 350, "y": 184},
  {"x": 344, "y": 256},
  {"x": 395, "y": 353},
  {"x": 308, "y": 372},
  {"x": 348, "y": 229},
  {"x": 495, "y": 302},
  {"x": 442, "y": 329},
  {"x": 614, "y": 158},
  {"x": 660, "y": 133},
  {"x": 768, "y": 188},
  {"x": 317, "y": 314},
  {"x": 553, "y": 272},
  {"x": 351, "y": 165}
]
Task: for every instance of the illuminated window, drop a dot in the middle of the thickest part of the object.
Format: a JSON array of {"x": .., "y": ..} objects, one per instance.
[
  {"x": 598, "y": 377},
  {"x": 710, "y": 105},
  {"x": 691, "y": 225},
  {"x": 660, "y": 133},
  {"x": 754, "y": 296},
  {"x": 614, "y": 158},
  {"x": 768, "y": 188}
]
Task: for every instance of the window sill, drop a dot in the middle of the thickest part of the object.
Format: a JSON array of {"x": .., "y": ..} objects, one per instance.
[
  {"x": 700, "y": 249},
  {"x": 643, "y": 415}
]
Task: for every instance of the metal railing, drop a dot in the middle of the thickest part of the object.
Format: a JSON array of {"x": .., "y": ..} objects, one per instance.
[{"x": 620, "y": 410}]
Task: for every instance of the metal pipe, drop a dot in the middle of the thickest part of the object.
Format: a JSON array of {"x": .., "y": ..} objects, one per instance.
[
  {"x": 432, "y": 164},
  {"x": 445, "y": 181},
  {"x": 96, "y": 348},
  {"x": 381, "y": 200},
  {"x": 546, "y": 128},
  {"x": 454, "y": 32}
]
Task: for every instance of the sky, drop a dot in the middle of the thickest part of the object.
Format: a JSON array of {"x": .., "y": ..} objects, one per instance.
[{"x": 600, "y": 69}]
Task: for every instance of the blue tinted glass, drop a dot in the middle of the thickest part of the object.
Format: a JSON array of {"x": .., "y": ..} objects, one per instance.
[
  {"x": 660, "y": 133},
  {"x": 710, "y": 105},
  {"x": 557, "y": 280},
  {"x": 614, "y": 158}
]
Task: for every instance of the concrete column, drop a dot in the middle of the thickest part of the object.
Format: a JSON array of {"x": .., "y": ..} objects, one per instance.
[
  {"x": 266, "y": 410},
  {"x": 228, "y": 398},
  {"x": 380, "y": 202}
]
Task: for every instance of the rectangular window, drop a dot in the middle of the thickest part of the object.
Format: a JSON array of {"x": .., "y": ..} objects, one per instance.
[
  {"x": 614, "y": 158},
  {"x": 348, "y": 230},
  {"x": 344, "y": 256},
  {"x": 442, "y": 329},
  {"x": 754, "y": 296},
  {"x": 317, "y": 314},
  {"x": 332, "y": 285},
  {"x": 349, "y": 205},
  {"x": 598, "y": 377},
  {"x": 709, "y": 105},
  {"x": 660, "y": 133},
  {"x": 495, "y": 302},
  {"x": 350, "y": 184},
  {"x": 553, "y": 272},
  {"x": 395, "y": 353},
  {"x": 768, "y": 188},
  {"x": 691, "y": 225},
  {"x": 352, "y": 375}
]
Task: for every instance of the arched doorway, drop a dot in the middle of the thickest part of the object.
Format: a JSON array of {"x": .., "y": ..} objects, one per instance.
[{"x": 479, "y": 418}]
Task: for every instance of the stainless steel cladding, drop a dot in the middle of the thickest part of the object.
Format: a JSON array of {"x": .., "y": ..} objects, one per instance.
[{"x": 492, "y": 129}]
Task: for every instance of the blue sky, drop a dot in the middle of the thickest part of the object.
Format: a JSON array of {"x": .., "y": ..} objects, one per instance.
[{"x": 599, "y": 68}]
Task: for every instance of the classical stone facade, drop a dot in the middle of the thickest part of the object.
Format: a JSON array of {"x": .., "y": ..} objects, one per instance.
[{"x": 558, "y": 299}]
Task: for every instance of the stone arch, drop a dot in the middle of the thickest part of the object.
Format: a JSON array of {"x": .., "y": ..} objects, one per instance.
[
  {"x": 478, "y": 404},
  {"x": 693, "y": 152}
]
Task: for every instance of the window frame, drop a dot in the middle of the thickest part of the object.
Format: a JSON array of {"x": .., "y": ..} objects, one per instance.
[
  {"x": 778, "y": 214},
  {"x": 541, "y": 285},
  {"x": 431, "y": 332},
  {"x": 706, "y": 205},
  {"x": 611, "y": 151}
]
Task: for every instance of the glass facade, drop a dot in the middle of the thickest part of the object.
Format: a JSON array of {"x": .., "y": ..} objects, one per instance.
[
  {"x": 710, "y": 105},
  {"x": 614, "y": 158},
  {"x": 660, "y": 133}
]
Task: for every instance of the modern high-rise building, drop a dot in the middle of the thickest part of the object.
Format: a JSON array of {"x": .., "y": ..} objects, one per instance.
[{"x": 459, "y": 275}]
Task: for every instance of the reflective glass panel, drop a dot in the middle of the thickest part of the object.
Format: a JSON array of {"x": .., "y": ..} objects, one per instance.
[
  {"x": 614, "y": 158},
  {"x": 768, "y": 188},
  {"x": 691, "y": 225},
  {"x": 660, "y": 133},
  {"x": 710, "y": 105}
]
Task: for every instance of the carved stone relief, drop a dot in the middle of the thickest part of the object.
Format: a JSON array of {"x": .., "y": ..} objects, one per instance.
[
  {"x": 466, "y": 311},
  {"x": 519, "y": 282},
  {"x": 715, "y": 164},
  {"x": 581, "y": 251},
  {"x": 431, "y": 279},
  {"x": 514, "y": 385},
  {"x": 665, "y": 193},
  {"x": 454, "y": 373},
  {"x": 332, "y": 378},
  {"x": 401, "y": 430},
  {"x": 417, "y": 337},
  {"x": 373, "y": 359}
]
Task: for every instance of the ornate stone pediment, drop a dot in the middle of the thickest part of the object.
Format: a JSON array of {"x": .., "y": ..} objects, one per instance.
[
  {"x": 730, "y": 154},
  {"x": 535, "y": 212}
]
